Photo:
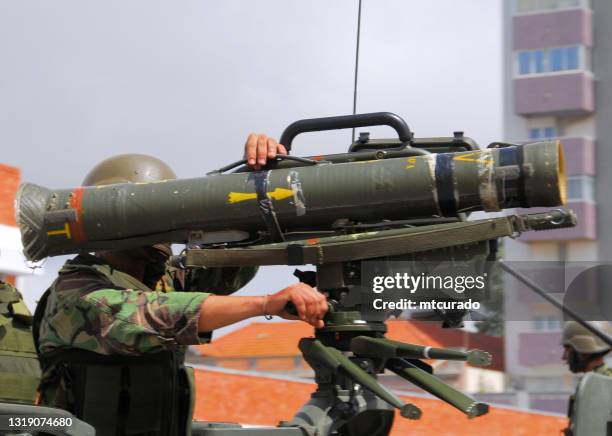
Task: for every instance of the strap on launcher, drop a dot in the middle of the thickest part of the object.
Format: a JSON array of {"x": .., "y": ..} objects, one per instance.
[{"x": 266, "y": 206}]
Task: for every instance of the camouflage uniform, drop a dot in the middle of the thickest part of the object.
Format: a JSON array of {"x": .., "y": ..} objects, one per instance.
[
  {"x": 105, "y": 312},
  {"x": 112, "y": 347},
  {"x": 581, "y": 340},
  {"x": 19, "y": 371},
  {"x": 86, "y": 311}
]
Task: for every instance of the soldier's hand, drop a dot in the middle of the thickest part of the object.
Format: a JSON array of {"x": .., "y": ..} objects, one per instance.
[
  {"x": 311, "y": 305},
  {"x": 259, "y": 148}
]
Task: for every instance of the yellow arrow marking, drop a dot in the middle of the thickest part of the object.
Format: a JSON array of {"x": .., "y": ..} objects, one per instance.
[
  {"x": 65, "y": 231},
  {"x": 469, "y": 158},
  {"x": 411, "y": 163},
  {"x": 277, "y": 194}
]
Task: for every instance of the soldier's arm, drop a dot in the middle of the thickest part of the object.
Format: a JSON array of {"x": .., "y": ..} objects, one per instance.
[
  {"x": 132, "y": 321},
  {"x": 219, "y": 311}
]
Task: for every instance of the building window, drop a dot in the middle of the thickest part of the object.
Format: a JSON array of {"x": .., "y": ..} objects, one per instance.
[
  {"x": 556, "y": 59},
  {"x": 552, "y": 60},
  {"x": 571, "y": 58},
  {"x": 538, "y": 61},
  {"x": 531, "y": 6},
  {"x": 542, "y": 132},
  {"x": 547, "y": 323},
  {"x": 580, "y": 188},
  {"x": 524, "y": 62}
]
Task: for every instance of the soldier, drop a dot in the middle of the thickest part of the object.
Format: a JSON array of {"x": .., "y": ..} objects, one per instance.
[
  {"x": 112, "y": 348},
  {"x": 584, "y": 352},
  {"x": 19, "y": 371}
]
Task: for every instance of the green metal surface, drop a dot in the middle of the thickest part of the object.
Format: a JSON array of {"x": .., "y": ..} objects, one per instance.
[
  {"x": 65, "y": 221},
  {"x": 437, "y": 387},
  {"x": 387, "y": 348},
  {"x": 334, "y": 359}
]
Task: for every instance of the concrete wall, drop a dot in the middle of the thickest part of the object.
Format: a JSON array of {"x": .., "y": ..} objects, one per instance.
[{"x": 544, "y": 30}]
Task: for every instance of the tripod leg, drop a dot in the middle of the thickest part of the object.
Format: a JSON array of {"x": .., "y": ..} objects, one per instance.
[
  {"x": 341, "y": 404},
  {"x": 437, "y": 387}
]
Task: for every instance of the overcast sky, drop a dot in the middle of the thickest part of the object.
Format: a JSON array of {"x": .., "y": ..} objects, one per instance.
[{"x": 186, "y": 81}]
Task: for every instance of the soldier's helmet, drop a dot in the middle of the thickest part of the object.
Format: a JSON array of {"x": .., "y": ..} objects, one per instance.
[
  {"x": 582, "y": 340},
  {"x": 131, "y": 168}
]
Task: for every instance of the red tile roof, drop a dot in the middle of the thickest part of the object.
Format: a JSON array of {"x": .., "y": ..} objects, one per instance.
[
  {"x": 266, "y": 401},
  {"x": 9, "y": 182},
  {"x": 281, "y": 338}
]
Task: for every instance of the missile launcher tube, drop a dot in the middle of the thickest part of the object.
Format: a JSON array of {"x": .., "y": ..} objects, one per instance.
[{"x": 64, "y": 221}]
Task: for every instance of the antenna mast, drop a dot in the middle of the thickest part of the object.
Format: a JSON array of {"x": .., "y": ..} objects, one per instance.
[{"x": 356, "y": 65}]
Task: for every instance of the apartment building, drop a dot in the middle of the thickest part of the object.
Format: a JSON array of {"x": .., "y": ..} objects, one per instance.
[{"x": 558, "y": 85}]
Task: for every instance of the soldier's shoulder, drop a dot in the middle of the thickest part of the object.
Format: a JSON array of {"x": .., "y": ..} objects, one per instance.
[{"x": 83, "y": 272}]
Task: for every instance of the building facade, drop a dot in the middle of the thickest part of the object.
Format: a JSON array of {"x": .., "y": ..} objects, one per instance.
[{"x": 558, "y": 85}]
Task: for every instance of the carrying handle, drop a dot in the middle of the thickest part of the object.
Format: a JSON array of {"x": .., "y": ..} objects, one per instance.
[
  {"x": 347, "y": 122},
  {"x": 278, "y": 158}
]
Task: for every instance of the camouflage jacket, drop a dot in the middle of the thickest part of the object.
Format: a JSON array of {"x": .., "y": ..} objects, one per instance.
[
  {"x": 19, "y": 371},
  {"x": 96, "y": 308},
  {"x": 93, "y": 307}
]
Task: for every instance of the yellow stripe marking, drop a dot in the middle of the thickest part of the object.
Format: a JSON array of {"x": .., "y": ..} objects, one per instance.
[
  {"x": 65, "y": 231},
  {"x": 411, "y": 163},
  {"x": 473, "y": 157},
  {"x": 277, "y": 194}
]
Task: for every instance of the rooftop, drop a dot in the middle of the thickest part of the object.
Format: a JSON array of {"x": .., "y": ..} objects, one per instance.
[{"x": 235, "y": 396}]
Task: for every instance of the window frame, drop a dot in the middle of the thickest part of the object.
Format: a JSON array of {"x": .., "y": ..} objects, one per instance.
[
  {"x": 585, "y": 184},
  {"x": 541, "y": 132},
  {"x": 582, "y": 53}
]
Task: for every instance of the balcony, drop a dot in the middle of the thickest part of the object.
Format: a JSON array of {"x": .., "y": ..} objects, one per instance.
[
  {"x": 557, "y": 94},
  {"x": 553, "y": 29}
]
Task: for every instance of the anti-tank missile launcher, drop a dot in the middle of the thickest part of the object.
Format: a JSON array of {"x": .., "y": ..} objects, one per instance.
[
  {"x": 384, "y": 182},
  {"x": 405, "y": 199}
]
